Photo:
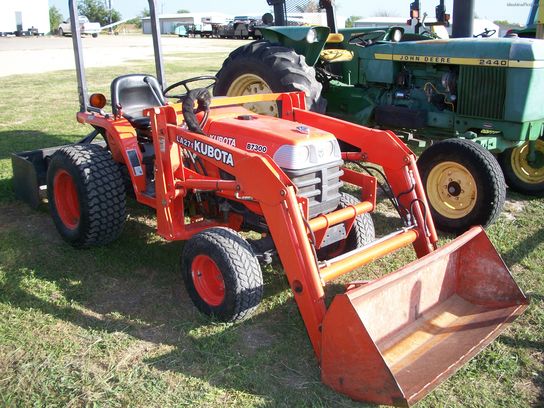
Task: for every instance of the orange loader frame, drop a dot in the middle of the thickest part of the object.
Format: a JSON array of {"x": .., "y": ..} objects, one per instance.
[{"x": 389, "y": 341}]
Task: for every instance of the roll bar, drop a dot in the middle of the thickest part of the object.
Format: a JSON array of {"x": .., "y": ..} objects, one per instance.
[{"x": 78, "y": 51}]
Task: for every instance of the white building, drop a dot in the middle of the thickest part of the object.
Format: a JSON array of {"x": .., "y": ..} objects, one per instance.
[
  {"x": 169, "y": 22},
  {"x": 23, "y": 15}
]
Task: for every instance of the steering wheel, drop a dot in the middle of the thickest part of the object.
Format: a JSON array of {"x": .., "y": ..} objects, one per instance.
[
  {"x": 185, "y": 83},
  {"x": 366, "y": 39},
  {"x": 486, "y": 33}
]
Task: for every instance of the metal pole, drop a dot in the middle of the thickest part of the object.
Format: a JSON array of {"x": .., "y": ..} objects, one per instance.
[
  {"x": 78, "y": 54},
  {"x": 111, "y": 28},
  {"x": 156, "y": 31},
  {"x": 463, "y": 18},
  {"x": 540, "y": 21},
  {"x": 280, "y": 12}
]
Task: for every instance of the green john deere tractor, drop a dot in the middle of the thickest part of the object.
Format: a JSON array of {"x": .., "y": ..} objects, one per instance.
[
  {"x": 476, "y": 99},
  {"x": 536, "y": 15}
]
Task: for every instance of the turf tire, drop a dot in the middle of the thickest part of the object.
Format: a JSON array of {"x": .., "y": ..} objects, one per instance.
[
  {"x": 238, "y": 265},
  {"x": 100, "y": 194}
]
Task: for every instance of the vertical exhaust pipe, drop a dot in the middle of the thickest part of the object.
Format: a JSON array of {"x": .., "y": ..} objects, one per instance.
[{"x": 463, "y": 19}]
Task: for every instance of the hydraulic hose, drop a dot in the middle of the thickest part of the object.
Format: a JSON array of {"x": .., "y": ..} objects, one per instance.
[{"x": 203, "y": 98}]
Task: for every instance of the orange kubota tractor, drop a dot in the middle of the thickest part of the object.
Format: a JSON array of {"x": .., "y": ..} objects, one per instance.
[{"x": 218, "y": 170}]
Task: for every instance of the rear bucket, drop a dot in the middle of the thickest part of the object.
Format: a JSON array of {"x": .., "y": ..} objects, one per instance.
[{"x": 394, "y": 340}]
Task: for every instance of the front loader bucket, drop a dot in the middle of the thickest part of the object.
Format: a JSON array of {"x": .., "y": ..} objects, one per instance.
[{"x": 395, "y": 339}]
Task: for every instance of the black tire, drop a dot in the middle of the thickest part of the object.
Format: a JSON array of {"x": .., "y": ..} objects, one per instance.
[
  {"x": 94, "y": 35},
  {"x": 99, "y": 193},
  {"x": 281, "y": 68},
  {"x": 530, "y": 184},
  {"x": 484, "y": 197},
  {"x": 240, "y": 272},
  {"x": 61, "y": 32},
  {"x": 362, "y": 232}
]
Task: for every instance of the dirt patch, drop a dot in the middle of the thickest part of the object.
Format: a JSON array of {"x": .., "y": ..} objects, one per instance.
[
  {"x": 512, "y": 209},
  {"x": 29, "y": 222},
  {"x": 19, "y": 55},
  {"x": 254, "y": 338}
]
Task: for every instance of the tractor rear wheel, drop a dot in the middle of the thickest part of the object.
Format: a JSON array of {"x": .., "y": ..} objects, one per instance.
[
  {"x": 464, "y": 184},
  {"x": 262, "y": 67},
  {"x": 86, "y": 195},
  {"x": 361, "y": 233},
  {"x": 222, "y": 274},
  {"x": 521, "y": 173}
]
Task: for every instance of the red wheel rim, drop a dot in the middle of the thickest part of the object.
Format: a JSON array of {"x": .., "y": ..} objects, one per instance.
[
  {"x": 66, "y": 200},
  {"x": 208, "y": 280}
]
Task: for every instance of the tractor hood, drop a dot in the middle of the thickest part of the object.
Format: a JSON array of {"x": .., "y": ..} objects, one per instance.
[
  {"x": 291, "y": 144},
  {"x": 505, "y": 52}
]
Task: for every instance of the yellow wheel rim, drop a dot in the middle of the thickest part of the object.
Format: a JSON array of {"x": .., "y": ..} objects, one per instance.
[
  {"x": 528, "y": 172},
  {"x": 452, "y": 190},
  {"x": 250, "y": 84}
]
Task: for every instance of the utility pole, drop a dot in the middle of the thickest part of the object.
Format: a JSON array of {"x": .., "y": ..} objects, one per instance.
[{"x": 540, "y": 21}]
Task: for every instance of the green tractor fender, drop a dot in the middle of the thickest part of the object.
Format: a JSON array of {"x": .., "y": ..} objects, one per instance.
[{"x": 308, "y": 41}]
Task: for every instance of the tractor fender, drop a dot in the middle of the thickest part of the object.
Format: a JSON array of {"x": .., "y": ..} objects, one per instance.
[{"x": 297, "y": 39}]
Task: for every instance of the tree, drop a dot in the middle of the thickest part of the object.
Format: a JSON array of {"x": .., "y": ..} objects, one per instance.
[
  {"x": 96, "y": 11},
  {"x": 55, "y": 18},
  {"x": 137, "y": 21},
  {"x": 350, "y": 21},
  {"x": 183, "y": 11}
]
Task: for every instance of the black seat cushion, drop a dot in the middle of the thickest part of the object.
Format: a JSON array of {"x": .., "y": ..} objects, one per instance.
[{"x": 131, "y": 94}]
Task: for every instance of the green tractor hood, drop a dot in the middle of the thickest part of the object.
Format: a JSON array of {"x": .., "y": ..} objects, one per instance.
[
  {"x": 300, "y": 39},
  {"x": 501, "y": 52}
]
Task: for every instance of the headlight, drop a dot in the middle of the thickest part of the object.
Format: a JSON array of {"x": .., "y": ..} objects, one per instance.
[
  {"x": 311, "y": 37},
  {"x": 301, "y": 156}
]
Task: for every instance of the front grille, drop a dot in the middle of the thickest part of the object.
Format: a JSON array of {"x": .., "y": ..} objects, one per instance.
[
  {"x": 320, "y": 185},
  {"x": 482, "y": 92}
]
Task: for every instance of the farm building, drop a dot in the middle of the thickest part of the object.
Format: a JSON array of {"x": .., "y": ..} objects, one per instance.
[
  {"x": 169, "y": 22},
  {"x": 24, "y": 16}
]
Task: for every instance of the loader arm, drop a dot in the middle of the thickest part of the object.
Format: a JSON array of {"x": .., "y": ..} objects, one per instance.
[{"x": 388, "y": 341}]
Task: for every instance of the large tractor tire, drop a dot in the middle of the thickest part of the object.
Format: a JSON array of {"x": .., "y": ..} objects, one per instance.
[
  {"x": 521, "y": 174},
  {"x": 222, "y": 274},
  {"x": 464, "y": 184},
  {"x": 262, "y": 67},
  {"x": 362, "y": 232},
  {"x": 86, "y": 195}
]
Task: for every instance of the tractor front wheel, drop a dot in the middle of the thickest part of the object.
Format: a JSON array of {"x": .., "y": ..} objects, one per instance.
[
  {"x": 222, "y": 274},
  {"x": 524, "y": 171},
  {"x": 464, "y": 184},
  {"x": 361, "y": 233},
  {"x": 261, "y": 67},
  {"x": 86, "y": 195}
]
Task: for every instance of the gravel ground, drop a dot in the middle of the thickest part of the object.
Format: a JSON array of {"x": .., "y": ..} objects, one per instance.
[{"x": 21, "y": 55}]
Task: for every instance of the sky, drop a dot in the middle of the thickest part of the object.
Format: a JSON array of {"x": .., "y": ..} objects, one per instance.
[{"x": 515, "y": 11}]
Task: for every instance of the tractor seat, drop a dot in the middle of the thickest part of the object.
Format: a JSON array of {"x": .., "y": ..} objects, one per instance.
[
  {"x": 132, "y": 94},
  {"x": 335, "y": 54}
]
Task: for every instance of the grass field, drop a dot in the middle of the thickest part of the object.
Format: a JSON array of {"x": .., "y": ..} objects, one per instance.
[{"x": 113, "y": 326}]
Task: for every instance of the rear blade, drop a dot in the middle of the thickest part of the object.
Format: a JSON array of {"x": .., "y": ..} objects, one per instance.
[{"x": 394, "y": 340}]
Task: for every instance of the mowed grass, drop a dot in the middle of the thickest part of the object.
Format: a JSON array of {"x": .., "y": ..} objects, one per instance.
[{"x": 113, "y": 326}]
